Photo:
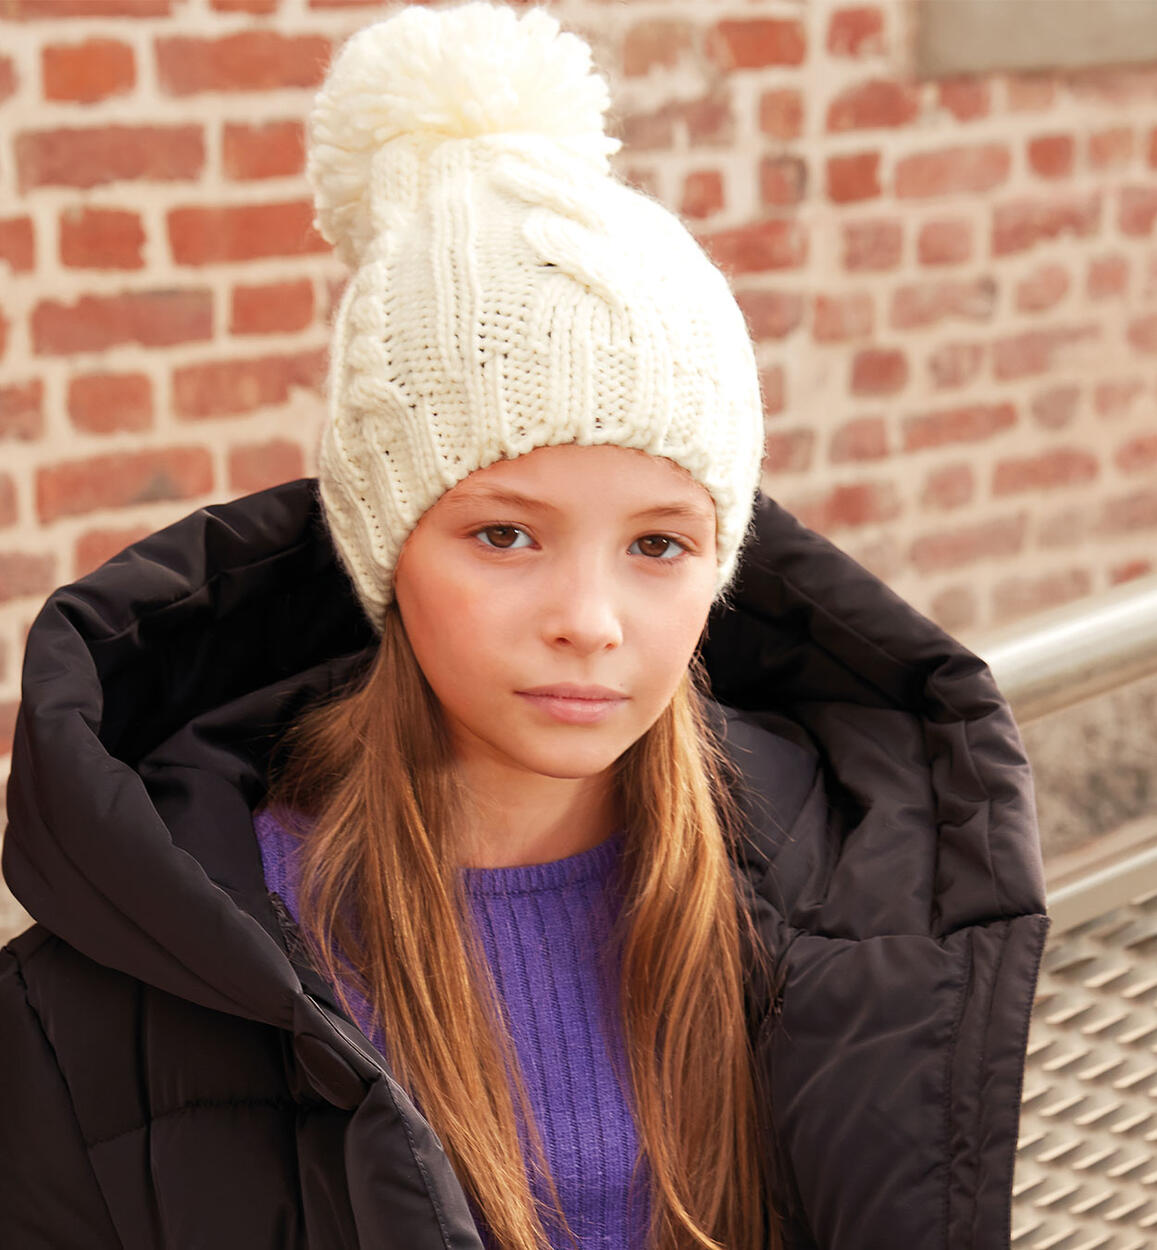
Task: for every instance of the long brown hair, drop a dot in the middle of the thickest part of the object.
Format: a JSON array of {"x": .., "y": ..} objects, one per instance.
[{"x": 382, "y": 908}]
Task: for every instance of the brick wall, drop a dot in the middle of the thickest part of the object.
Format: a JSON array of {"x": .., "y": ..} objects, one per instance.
[{"x": 953, "y": 285}]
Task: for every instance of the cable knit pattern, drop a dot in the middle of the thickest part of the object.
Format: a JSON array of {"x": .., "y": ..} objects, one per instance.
[
  {"x": 544, "y": 929},
  {"x": 509, "y": 291}
]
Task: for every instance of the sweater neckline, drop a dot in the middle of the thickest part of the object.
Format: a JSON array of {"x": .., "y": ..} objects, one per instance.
[{"x": 593, "y": 864}]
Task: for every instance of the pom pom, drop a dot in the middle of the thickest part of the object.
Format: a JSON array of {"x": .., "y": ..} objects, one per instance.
[{"x": 476, "y": 69}]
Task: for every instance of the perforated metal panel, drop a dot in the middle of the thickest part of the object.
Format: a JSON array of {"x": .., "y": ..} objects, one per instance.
[{"x": 1086, "y": 1165}]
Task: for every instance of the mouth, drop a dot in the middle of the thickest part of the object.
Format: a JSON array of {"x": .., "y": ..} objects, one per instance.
[{"x": 574, "y": 705}]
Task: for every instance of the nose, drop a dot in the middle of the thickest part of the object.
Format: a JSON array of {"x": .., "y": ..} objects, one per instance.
[{"x": 581, "y": 608}]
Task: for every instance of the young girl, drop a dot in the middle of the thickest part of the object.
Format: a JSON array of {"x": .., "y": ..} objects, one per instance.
[{"x": 527, "y": 834}]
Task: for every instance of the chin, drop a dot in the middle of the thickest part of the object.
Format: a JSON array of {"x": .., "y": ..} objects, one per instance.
[{"x": 573, "y": 762}]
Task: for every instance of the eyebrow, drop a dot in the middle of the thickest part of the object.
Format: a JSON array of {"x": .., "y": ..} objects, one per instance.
[{"x": 526, "y": 503}]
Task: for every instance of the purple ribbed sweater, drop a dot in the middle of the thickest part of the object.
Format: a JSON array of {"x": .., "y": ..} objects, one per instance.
[{"x": 543, "y": 928}]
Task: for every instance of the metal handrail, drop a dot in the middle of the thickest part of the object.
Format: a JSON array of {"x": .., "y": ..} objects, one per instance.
[{"x": 1071, "y": 653}]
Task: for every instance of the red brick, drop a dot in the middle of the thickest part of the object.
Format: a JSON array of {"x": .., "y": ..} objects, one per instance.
[
  {"x": 1055, "y": 408},
  {"x": 1021, "y": 596},
  {"x": 879, "y": 371},
  {"x": 864, "y": 438},
  {"x": 18, "y": 244},
  {"x": 1143, "y": 333},
  {"x": 854, "y": 177},
  {"x": 644, "y": 179},
  {"x": 756, "y": 43},
  {"x": 8, "y": 79},
  {"x": 8, "y": 509},
  {"x": 839, "y": 318},
  {"x": 649, "y": 131},
  {"x": 87, "y": 8},
  {"x": 97, "y": 322},
  {"x": 226, "y": 387},
  {"x": 1107, "y": 276},
  {"x": 250, "y": 60},
  {"x": 782, "y": 180},
  {"x": 709, "y": 120},
  {"x": 265, "y": 464},
  {"x": 121, "y": 479},
  {"x": 926, "y": 303},
  {"x": 1138, "y": 455},
  {"x": 656, "y": 43},
  {"x": 789, "y": 451},
  {"x": 24, "y": 575},
  {"x": 972, "y": 424},
  {"x": 996, "y": 538},
  {"x": 1060, "y": 466},
  {"x": 267, "y": 150},
  {"x": 949, "y": 486},
  {"x": 1129, "y": 570},
  {"x": 206, "y": 236},
  {"x": 856, "y": 31},
  {"x": 862, "y": 503},
  {"x": 773, "y": 387},
  {"x": 1127, "y": 513},
  {"x": 953, "y": 365},
  {"x": 875, "y": 104},
  {"x": 953, "y": 171},
  {"x": 1051, "y": 156},
  {"x": 771, "y": 314},
  {"x": 966, "y": 98},
  {"x": 1020, "y": 224},
  {"x": 89, "y": 71},
  {"x": 101, "y": 238},
  {"x": 1137, "y": 210},
  {"x": 702, "y": 193},
  {"x": 945, "y": 242},
  {"x": 93, "y": 156},
  {"x": 1034, "y": 351},
  {"x": 1031, "y": 93},
  {"x": 1116, "y": 397},
  {"x": 94, "y": 547},
  {"x": 103, "y": 403},
  {"x": 22, "y": 410},
  {"x": 872, "y": 246},
  {"x": 757, "y": 248},
  {"x": 1043, "y": 288},
  {"x": 781, "y": 113},
  {"x": 954, "y": 609},
  {"x": 276, "y": 308},
  {"x": 258, "y": 7},
  {"x": 1111, "y": 149}
]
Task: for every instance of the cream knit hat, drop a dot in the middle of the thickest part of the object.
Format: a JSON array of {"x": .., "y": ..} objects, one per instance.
[{"x": 508, "y": 291}]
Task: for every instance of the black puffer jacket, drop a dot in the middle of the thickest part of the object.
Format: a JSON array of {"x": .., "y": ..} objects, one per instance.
[{"x": 170, "y": 1077}]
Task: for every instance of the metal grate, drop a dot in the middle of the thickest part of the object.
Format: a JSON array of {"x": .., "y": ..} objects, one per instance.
[{"x": 1086, "y": 1164}]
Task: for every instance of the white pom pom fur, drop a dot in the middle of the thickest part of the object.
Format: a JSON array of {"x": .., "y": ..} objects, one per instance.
[{"x": 460, "y": 72}]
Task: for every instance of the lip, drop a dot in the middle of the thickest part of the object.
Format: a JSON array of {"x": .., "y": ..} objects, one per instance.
[
  {"x": 568, "y": 690},
  {"x": 574, "y": 705}
]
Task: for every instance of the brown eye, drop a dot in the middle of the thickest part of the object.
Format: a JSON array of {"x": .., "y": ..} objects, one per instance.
[
  {"x": 660, "y": 546},
  {"x": 500, "y": 536}
]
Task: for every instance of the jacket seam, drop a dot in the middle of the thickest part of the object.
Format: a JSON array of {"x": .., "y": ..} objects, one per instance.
[
  {"x": 1026, "y": 1022},
  {"x": 426, "y": 1177},
  {"x": 949, "y": 1066},
  {"x": 984, "y": 1042},
  {"x": 194, "y": 1104}
]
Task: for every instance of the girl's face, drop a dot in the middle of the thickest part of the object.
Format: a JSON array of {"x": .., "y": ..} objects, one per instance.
[{"x": 590, "y": 569}]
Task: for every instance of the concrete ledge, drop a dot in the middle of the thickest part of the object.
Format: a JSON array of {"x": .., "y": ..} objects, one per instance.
[{"x": 979, "y": 36}]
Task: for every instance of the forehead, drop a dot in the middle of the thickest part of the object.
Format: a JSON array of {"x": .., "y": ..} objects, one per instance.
[{"x": 583, "y": 478}]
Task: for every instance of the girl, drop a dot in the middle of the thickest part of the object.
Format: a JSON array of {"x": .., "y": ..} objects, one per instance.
[{"x": 466, "y": 848}]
